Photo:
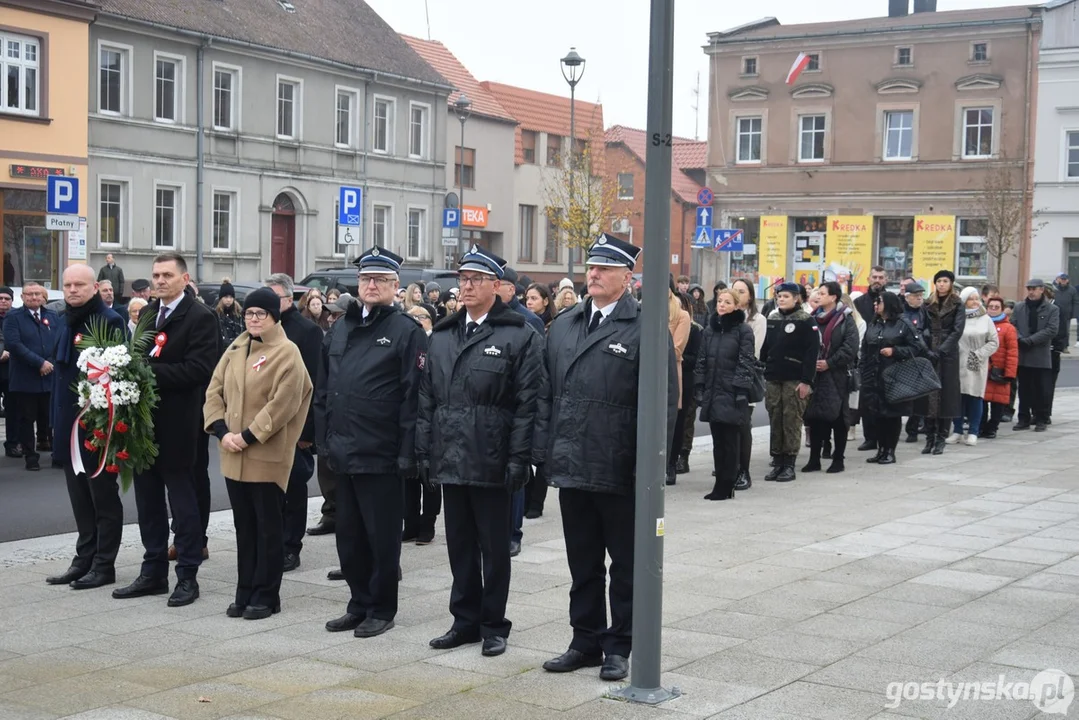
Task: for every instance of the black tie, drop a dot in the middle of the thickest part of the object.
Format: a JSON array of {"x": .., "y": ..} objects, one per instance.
[
  {"x": 471, "y": 329},
  {"x": 37, "y": 318},
  {"x": 161, "y": 317},
  {"x": 597, "y": 316}
]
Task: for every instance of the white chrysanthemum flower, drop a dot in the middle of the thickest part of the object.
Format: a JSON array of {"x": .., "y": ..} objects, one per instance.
[
  {"x": 125, "y": 392},
  {"x": 86, "y": 356},
  {"x": 116, "y": 356},
  {"x": 84, "y": 391},
  {"x": 98, "y": 398}
]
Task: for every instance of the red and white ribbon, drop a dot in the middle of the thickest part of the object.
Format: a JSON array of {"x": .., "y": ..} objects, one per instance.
[
  {"x": 159, "y": 342},
  {"x": 259, "y": 363},
  {"x": 98, "y": 374}
]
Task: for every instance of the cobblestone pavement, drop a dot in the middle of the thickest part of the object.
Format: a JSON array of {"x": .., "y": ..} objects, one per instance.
[{"x": 804, "y": 600}]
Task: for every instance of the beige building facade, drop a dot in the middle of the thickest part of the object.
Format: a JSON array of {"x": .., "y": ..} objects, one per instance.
[{"x": 880, "y": 151}]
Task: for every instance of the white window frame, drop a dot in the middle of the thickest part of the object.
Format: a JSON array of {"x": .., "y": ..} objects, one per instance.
[
  {"x": 738, "y": 139},
  {"x": 1067, "y": 141},
  {"x": 297, "y": 107},
  {"x": 633, "y": 186},
  {"x": 988, "y": 52},
  {"x": 178, "y": 87},
  {"x": 353, "y": 95},
  {"x": 177, "y": 215},
  {"x": 820, "y": 61},
  {"x": 885, "y": 132},
  {"x": 528, "y": 231},
  {"x": 234, "y": 217},
  {"x": 895, "y": 58},
  {"x": 391, "y": 124},
  {"x": 387, "y": 242},
  {"x": 421, "y": 241},
  {"x": 425, "y": 130},
  {"x": 234, "y": 97},
  {"x": 824, "y": 143},
  {"x": 756, "y": 66},
  {"x": 127, "y": 60},
  {"x": 24, "y": 65},
  {"x": 124, "y": 214},
  {"x": 963, "y": 132}
]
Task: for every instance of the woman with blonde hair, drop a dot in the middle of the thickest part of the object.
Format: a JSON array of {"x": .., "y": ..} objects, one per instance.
[
  {"x": 133, "y": 309},
  {"x": 413, "y": 296},
  {"x": 746, "y": 298},
  {"x": 565, "y": 299},
  {"x": 679, "y": 323}
]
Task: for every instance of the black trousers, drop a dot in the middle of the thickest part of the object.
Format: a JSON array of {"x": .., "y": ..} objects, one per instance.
[
  {"x": 888, "y": 430},
  {"x": 536, "y": 491},
  {"x": 821, "y": 430},
  {"x": 151, "y": 489},
  {"x": 478, "y": 540},
  {"x": 914, "y": 424},
  {"x": 99, "y": 518},
  {"x": 33, "y": 410},
  {"x": 1035, "y": 385},
  {"x": 369, "y": 509},
  {"x": 993, "y": 416},
  {"x": 202, "y": 482},
  {"x": 423, "y": 503},
  {"x": 676, "y": 444},
  {"x": 303, "y": 467},
  {"x": 870, "y": 427},
  {"x": 260, "y": 554},
  {"x": 11, "y": 417},
  {"x": 726, "y": 452},
  {"x": 1053, "y": 382},
  {"x": 327, "y": 485},
  {"x": 595, "y": 525},
  {"x": 745, "y": 441}
]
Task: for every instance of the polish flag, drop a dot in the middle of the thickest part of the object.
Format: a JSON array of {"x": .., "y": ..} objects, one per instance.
[{"x": 799, "y": 65}]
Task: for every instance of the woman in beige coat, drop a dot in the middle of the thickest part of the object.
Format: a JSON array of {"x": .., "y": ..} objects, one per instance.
[
  {"x": 256, "y": 405},
  {"x": 679, "y": 323}
]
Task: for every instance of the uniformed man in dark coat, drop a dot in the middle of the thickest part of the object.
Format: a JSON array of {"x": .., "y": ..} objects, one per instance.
[
  {"x": 588, "y": 439},
  {"x": 365, "y": 414},
  {"x": 478, "y": 400}
]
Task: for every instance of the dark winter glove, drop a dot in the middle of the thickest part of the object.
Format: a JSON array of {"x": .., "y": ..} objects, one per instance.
[
  {"x": 425, "y": 475},
  {"x": 516, "y": 475},
  {"x": 1025, "y": 342},
  {"x": 741, "y": 402},
  {"x": 406, "y": 469},
  {"x": 934, "y": 356}
]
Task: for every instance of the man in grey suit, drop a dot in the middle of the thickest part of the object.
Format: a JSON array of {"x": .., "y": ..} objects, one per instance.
[{"x": 1036, "y": 323}]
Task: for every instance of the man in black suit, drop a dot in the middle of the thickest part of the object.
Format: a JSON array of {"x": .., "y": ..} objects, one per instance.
[{"x": 183, "y": 359}]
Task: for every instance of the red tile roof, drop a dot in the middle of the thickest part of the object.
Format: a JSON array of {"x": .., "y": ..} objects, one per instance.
[
  {"x": 686, "y": 155},
  {"x": 541, "y": 112},
  {"x": 448, "y": 66}
]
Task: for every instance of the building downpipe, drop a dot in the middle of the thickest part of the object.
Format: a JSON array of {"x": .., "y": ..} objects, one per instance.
[{"x": 200, "y": 154}]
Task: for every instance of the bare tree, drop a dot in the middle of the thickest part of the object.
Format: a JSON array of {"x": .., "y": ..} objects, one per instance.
[
  {"x": 580, "y": 199},
  {"x": 1000, "y": 202}
]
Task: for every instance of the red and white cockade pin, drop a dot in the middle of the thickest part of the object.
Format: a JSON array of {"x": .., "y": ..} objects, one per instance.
[
  {"x": 78, "y": 338},
  {"x": 259, "y": 363},
  {"x": 45, "y": 322},
  {"x": 159, "y": 342}
]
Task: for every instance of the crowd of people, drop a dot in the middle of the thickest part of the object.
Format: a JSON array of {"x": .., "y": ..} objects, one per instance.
[{"x": 408, "y": 403}]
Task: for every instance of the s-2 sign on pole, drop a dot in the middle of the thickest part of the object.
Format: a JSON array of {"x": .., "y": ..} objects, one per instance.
[{"x": 652, "y": 448}]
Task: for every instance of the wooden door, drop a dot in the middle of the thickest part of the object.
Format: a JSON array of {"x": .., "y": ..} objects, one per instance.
[{"x": 283, "y": 244}]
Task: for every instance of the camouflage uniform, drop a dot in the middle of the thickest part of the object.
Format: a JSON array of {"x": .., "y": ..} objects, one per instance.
[
  {"x": 789, "y": 354},
  {"x": 785, "y": 412}
]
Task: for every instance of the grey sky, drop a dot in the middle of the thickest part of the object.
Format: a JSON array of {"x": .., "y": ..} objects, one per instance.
[{"x": 499, "y": 42}]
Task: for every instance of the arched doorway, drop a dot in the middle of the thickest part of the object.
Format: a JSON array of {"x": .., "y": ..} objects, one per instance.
[{"x": 283, "y": 236}]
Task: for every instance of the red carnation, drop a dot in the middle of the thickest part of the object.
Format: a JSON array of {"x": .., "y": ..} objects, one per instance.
[
  {"x": 123, "y": 455},
  {"x": 121, "y": 427},
  {"x": 82, "y": 424},
  {"x": 89, "y": 445},
  {"x": 112, "y": 468},
  {"x": 99, "y": 434}
]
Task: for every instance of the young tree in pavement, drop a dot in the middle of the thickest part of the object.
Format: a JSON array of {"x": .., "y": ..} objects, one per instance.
[{"x": 580, "y": 200}]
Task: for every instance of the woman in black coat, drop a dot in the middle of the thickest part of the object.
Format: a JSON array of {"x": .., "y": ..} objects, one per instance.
[
  {"x": 724, "y": 367},
  {"x": 947, "y": 318},
  {"x": 829, "y": 405},
  {"x": 888, "y": 340}
]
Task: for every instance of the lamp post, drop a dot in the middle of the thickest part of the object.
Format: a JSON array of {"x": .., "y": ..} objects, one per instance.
[
  {"x": 463, "y": 108},
  {"x": 572, "y": 70}
]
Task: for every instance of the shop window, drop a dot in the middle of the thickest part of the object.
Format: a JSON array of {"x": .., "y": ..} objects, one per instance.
[
  {"x": 972, "y": 257},
  {"x": 20, "y": 81},
  {"x": 896, "y": 243},
  {"x": 744, "y": 264}
]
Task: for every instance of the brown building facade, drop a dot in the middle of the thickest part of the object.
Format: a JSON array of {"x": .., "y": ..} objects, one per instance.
[{"x": 880, "y": 151}]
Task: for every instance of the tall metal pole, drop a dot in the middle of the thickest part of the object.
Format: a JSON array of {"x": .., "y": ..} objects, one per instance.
[
  {"x": 572, "y": 168},
  {"x": 461, "y": 192},
  {"x": 644, "y": 684}
]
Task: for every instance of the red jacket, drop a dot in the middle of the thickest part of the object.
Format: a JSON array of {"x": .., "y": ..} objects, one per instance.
[{"x": 1007, "y": 359}]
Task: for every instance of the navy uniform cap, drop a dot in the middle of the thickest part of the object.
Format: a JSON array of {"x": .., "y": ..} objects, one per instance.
[
  {"x": 609, "y": 251},
  {"x": 484, "y": 261},
  {"x": 378, "y": 260}
]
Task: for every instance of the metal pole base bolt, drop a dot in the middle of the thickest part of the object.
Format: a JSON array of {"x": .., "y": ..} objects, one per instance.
[{"x": 653, "y": 696}]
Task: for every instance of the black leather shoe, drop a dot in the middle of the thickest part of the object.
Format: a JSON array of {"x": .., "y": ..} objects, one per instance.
[
  {"x": 371, "y": 627},
  {"x": 938, "y": 446},
  {"x": 348, "y": 621},
  {"x": 837, "y": 466},
  {"x": 811, "y": 466},
  {"x": 186, "y": 592},
  {"x": 1040, "y": 427},
  {"x": 144, "y": 585},
  {"x": 33, "y": 465},
  {"x": 615, "y": 667},
  {"x": 912, "y": 437},
  {"x": 66, "y": 577},
  {"x": 826, "y": 451},
  {"x": 452, "y": 639},
  {"x": 322, "y": 528},
  {"x": 743, "y": 482},
  {"x": 335, "y": 575},
  {"x": 292, "y": 561},
  {"x": 235, "y": 611},
  {"x": 572, "y": 660},
  {"x": 493, "y": 646},
  {"x": 930, "y": 443},
  {"x": 94, "y": 579},
  {"x": 533, "y": 514},
  {"x": 427, "y": 537},
  {"x": 260, "y": 612},
  {"x": 1021, "y": 425},
  {"x": 867, "y": 445},
  {"x": 515, "y": 548},
  {"x": 876, "y": 458},
  {"x": 888, "y": 458},
  {"x": 681, "y": 467},
  {"x": 13, "y": 453}
]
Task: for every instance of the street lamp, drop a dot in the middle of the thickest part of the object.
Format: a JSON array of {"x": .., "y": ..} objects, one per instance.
[
  {"x": 572, "y": 70},
  {"x": 463, "y": 108}
]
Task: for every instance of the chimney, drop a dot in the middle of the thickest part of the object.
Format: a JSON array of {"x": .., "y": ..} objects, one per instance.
[
  {"x": 898, "y": 8},
  {"x": 921, "y": 6}
]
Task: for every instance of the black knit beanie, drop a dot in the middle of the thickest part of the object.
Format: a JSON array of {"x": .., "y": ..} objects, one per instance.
[
  {"x": 264, "y": 299},
  {"x": 226, "y": 290}
]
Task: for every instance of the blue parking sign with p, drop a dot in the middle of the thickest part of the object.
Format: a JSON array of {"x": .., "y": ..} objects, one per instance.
[
  {"x": 451, "y": 218},
  {"x": 62, "y": 195},
  {"x": 350, "y": 206}
]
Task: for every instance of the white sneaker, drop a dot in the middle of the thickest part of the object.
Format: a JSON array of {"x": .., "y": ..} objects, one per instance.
[
  {"x": 971, "y": 440},
  {"x": 953, "y": 438}
]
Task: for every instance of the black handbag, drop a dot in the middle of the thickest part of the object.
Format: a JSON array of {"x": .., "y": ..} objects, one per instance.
[
  {"x": 909, "y": 380},
  {"x": 996, "y": 374},
  {"x": 749, "y": 377}
]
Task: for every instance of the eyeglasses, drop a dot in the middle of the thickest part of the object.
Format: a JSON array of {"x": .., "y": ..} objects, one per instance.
[
  {"x": 255, "y": 314},
  {"x": 421, "y": 316},
  {"x": 473, "y": 280},
  {"x": 380, "y": 281}
]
